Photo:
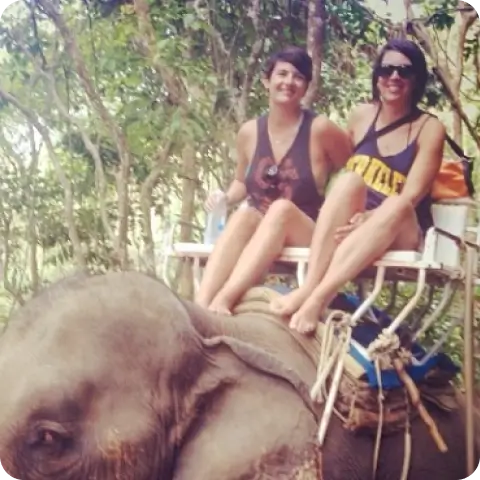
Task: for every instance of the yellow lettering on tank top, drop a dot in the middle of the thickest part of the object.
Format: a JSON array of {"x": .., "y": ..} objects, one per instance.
[
  {"x": 377, "y": 175},
  {"x": 398, "y": 181},
  {"x": 358, "y": 164}
]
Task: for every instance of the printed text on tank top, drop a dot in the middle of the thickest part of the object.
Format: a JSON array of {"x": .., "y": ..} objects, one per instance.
[{"x": 385, "y": 174}]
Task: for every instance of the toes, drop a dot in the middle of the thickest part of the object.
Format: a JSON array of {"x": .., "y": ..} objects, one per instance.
[
  {"x": 282, "y": 309},
  {"x": 304, "y": 322},
  {"x": 221, "y": 305},
  {"x": 310, "y": 328},
  {"x": 294, "y": 323},
  {"x": 220, "y": 309}
]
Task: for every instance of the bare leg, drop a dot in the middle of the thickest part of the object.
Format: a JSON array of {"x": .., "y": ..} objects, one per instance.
[
  {"x": 394, "y": 222},
  {"x": 238, "y": 231},
  {"x": 283, "y": 225},
  {"x": 347, "y": 197}
]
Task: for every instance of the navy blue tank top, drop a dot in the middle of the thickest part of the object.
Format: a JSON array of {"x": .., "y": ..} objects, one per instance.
[
  {"x": 292, "y": 178},
  {"x": 386, "y": 175}
]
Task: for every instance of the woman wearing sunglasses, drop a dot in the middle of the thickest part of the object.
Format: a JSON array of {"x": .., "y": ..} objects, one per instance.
[
  {"x": 284, "y": 159},
  {"x": 382, "y": 201}
]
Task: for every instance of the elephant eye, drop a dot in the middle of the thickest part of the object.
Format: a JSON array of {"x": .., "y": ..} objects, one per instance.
[{"x": 49, "y": 438}]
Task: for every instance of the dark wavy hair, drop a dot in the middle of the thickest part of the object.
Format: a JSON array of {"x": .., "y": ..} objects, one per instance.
[
  {"x": 412, "y": 51},
  {"x": 296, "y": 56}
]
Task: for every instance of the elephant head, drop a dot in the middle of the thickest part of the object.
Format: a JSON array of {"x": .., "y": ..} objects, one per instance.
[{"x": 105, "y": 377}]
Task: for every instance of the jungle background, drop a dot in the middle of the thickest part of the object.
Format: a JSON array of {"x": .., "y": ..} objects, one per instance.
[{"x": 118, "y": 116}]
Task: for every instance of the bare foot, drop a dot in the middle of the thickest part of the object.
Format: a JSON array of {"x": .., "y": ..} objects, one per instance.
[
  {"x": 221, "y": 304},
  {"x": 307, "y": 317},
  {"x": 290, "y": 303},
  {"x": 201, "y": 303}
]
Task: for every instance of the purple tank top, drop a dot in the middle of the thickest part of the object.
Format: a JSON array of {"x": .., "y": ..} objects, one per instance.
[
  {"x": 292, "y": 178},
  {"x": 386, "y": 176}
]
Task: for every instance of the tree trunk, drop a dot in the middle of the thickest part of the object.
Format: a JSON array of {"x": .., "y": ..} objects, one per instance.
[
  {"x": 252, "y": 63},
  {"x": 189, "y": 183},
  {"x": 9, "y": 287},
  {"x": 67, "y": 188},
  {"x": 32, "y": 218},
  {"x": 465, "y": 21},
  {"x": 174, "y": 85},
  {"x": 123, "y": 173},
  {"x": 441, "y": 69},
  {"x": 146, "y": 202},
  {"x": 100, "y": 180},
  {"x": 315, "y": 36}
]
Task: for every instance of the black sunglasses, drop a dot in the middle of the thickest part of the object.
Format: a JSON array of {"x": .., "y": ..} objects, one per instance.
[
  {"x": 404, "y": 71},
  {"x": 271, "y": 177}
]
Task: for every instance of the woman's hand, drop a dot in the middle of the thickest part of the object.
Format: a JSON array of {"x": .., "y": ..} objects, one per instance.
[
  {"x": 215, "y": 198},
  {"x": 342, "y": 232}
]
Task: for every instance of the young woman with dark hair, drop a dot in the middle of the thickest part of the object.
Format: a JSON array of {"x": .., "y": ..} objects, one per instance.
[
  {"x": 382, "y": 201},
  {"x": 285, "y": 158}
]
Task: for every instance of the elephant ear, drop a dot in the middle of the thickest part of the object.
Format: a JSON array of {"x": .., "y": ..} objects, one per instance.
[
  {"x": 206, "y": 323},
  {"x": 263, "y": 362},
  {"x": 219, "y": 333}
]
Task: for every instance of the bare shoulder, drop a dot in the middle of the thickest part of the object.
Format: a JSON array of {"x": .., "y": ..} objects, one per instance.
[
  {"x": 362, "y": 112},
  {"x": 433, "y": 129},
  {"x": 364, "y": 108},
  {"x": 332, "y": 141},
  {"x": 246, "y": 140},
  {"x": 247, "y": 130},
  {"x": 322, "y": 125}
]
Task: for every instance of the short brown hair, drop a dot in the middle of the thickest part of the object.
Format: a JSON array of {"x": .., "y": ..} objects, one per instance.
[{"x": 296, "y": 56}]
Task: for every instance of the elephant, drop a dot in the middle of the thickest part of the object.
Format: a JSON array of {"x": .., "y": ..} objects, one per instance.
[{"x": 114, "y": 376}]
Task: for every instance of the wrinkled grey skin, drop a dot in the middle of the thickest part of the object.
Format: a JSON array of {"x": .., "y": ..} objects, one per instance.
[{"x": 113, "y": 377}]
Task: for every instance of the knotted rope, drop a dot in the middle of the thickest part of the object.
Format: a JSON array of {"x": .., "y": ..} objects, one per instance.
[
  {"x": 387, "y": 353},
  {"x": 386, "y": 348},
  {"x": 335, "y": 345},
  {"x": 381, "y": 351}
]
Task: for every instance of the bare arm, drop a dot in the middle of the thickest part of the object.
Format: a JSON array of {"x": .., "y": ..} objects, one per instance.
[
  {"x": 335, "y": 141},
  {"x": 357, "y": 117},
  {"x": 427, "y": 161},
  {"x": 237, "y": 191}
]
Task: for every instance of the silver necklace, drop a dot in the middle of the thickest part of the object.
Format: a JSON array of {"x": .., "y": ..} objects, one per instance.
[{"x": 286, "y": 138}]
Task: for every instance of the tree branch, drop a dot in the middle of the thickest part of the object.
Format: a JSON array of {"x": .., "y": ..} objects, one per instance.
[
  {"x": 5, "y": 266},
  {"x": 100, "y": 180},
  {"x": 146, "y": 204},
  {"x": 123, "y": 174},
  {"x": 421, "y": 34},
  {"x": 175, "y": 87},
  {"x": 68, "y": 197},
  {"x": 252, "y": 62},
  {"x": 465, "y": 21},
  {"x": 220, "y": 52},
  {"x": 32, "y": 219}
]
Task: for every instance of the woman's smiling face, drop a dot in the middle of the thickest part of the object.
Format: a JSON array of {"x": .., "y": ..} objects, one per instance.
[
  {"x": 286, "y": 84},
  {"x": 395, "y": 85}
]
